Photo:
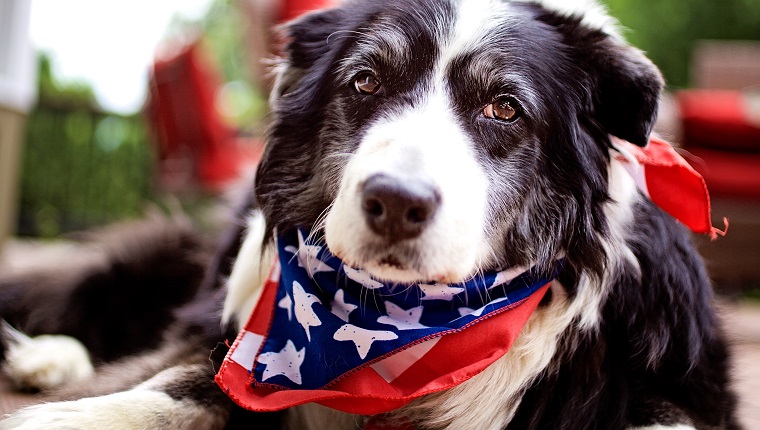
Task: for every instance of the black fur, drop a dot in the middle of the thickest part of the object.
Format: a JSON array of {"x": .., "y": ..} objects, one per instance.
[
  {"x": 117, "y": 304},
  {"x": 660, "y": 356}
]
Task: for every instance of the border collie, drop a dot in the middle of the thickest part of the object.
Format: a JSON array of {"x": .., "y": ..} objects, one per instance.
[{"x": 436, "y": 140}]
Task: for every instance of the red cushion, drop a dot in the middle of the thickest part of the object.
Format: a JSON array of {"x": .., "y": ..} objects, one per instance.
[
  {"x": 728, "y": 174},
  {"x": 294, "y": 8},
  {"x": 718, "y": 119}
]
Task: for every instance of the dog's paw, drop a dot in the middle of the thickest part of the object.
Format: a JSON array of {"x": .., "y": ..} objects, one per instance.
[
  {"x": 44, "y": 362},
  {"x": 128, "y": 410}
]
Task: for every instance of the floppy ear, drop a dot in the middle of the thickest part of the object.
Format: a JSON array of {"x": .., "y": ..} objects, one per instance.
[
  {"x": 628, "y": 90},
  {"x": 626, "y": 85},
  {"x": 306, "y": 40}
]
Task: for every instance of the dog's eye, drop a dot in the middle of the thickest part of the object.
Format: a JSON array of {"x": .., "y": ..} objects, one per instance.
[
  {"x": 366, "y": 83},
  {"x": 504, "y": 109}
]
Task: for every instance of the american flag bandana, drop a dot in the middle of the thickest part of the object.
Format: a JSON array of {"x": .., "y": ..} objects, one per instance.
[{"x": 328, "y": 333}]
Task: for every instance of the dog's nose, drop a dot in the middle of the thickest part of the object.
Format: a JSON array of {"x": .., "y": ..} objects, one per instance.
[{"x": 398, "y": 209}]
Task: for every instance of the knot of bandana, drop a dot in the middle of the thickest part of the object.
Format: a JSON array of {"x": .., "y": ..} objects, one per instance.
[{"x": 325, "y": 331}]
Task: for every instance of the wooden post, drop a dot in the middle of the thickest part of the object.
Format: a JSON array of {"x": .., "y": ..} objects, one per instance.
[
  {"x": 17, "y": 93},
  {"x": 11, "y": 137}
]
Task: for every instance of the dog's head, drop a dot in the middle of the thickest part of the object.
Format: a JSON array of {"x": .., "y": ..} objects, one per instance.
[{"x": 432, "y": 139}]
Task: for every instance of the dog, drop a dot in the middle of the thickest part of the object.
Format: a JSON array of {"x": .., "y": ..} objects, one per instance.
[{"x": 434, "y": 140}]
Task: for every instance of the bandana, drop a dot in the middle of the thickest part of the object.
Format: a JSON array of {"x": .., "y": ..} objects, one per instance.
[{"x": 328, "y": 333}]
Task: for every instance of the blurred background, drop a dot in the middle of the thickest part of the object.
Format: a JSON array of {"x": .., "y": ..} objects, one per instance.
[{"x": 111, "y": 110}]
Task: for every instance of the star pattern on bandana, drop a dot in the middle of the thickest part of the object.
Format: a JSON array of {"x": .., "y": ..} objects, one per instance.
[
  {"x": 305, "y": 315},
  {"x": 505, "y": 277},
  {"x": 287, "y": 304},
  {"x": 362, "y": 338},
  {"x": 479, "y": 312},
  {"x": 287, "y": 363},
  {"x": 341, "y": 308},
  {"x": 362, "y": 277},
  {"x": 308, "y": 256},
  {"x": 402, "y": 319},
  {"x": 439, "y": 291}
]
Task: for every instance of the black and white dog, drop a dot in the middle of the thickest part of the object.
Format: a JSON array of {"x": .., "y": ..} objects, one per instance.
[{"x": 433, "y": 140}]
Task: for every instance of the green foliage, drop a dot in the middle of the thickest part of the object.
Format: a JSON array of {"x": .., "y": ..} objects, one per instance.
[
  {"x": 82, "y": 167},
  {"x": 668, "y": 29},
  {"x": 54, "y": 92}
]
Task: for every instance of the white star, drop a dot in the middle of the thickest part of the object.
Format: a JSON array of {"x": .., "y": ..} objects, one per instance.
[
  {"x": 463, "y": 312},
  {"x": 439, "y": 291},
  {"x": 307, "y": 256},
  {"x": 362, "y": 338},
  {"x": 361, "y": 277},
  {"x": 305, "y": 315},
  {"x": 507, "y": 276},
  {"x": 287, "y": 362},
  {"x": 408, "y": 319},
  {"x": 340, "y": 307},
  {"x": 286, "y": 303}
]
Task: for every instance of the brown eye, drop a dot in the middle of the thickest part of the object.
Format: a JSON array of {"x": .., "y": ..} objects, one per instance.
[
  {"x": 504, "y": 109},
  {"x": 366, "y": 83}
]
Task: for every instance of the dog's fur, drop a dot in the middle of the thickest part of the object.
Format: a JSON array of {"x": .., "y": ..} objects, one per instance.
[{"x": 626, "y": 337}]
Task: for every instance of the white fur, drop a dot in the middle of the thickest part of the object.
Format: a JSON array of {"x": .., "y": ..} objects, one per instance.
[
  {"x": 421, "y": 143},
  {"x": 249, "y": 272},
  {"x": 474, "y": 20},
  {"x": 44, "y": 362}
]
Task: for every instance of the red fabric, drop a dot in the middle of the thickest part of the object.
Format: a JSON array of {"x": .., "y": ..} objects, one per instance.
[
  {"x": 365, "y": 392},
  {"x": 674, "y": 185},
  {"x": 295, "y": 8},
  {"x": 728, "y": 173},
  {"x": 188, "y": 129},
  {"x": 717, "y": 119}
]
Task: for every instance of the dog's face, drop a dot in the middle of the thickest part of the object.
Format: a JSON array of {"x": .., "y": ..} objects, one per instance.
[{"x": 433, "y": 139}]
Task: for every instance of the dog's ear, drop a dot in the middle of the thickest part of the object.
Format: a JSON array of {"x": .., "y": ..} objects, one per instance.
[
  {"x": 626, "y": 85},
  {"x": 627, "y": 91},
  {"x": 305, "y": 41}
]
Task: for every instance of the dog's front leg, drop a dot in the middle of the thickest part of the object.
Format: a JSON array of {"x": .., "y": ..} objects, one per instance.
[{"x": 181, "y": 397}]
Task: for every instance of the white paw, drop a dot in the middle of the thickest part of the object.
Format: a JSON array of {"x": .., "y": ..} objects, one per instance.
[
  {"x": 44, "y": 362},
  {"x": 128, "y": 410}
]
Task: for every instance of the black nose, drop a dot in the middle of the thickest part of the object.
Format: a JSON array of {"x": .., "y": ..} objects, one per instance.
[{"x": 398, "y": 209}]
